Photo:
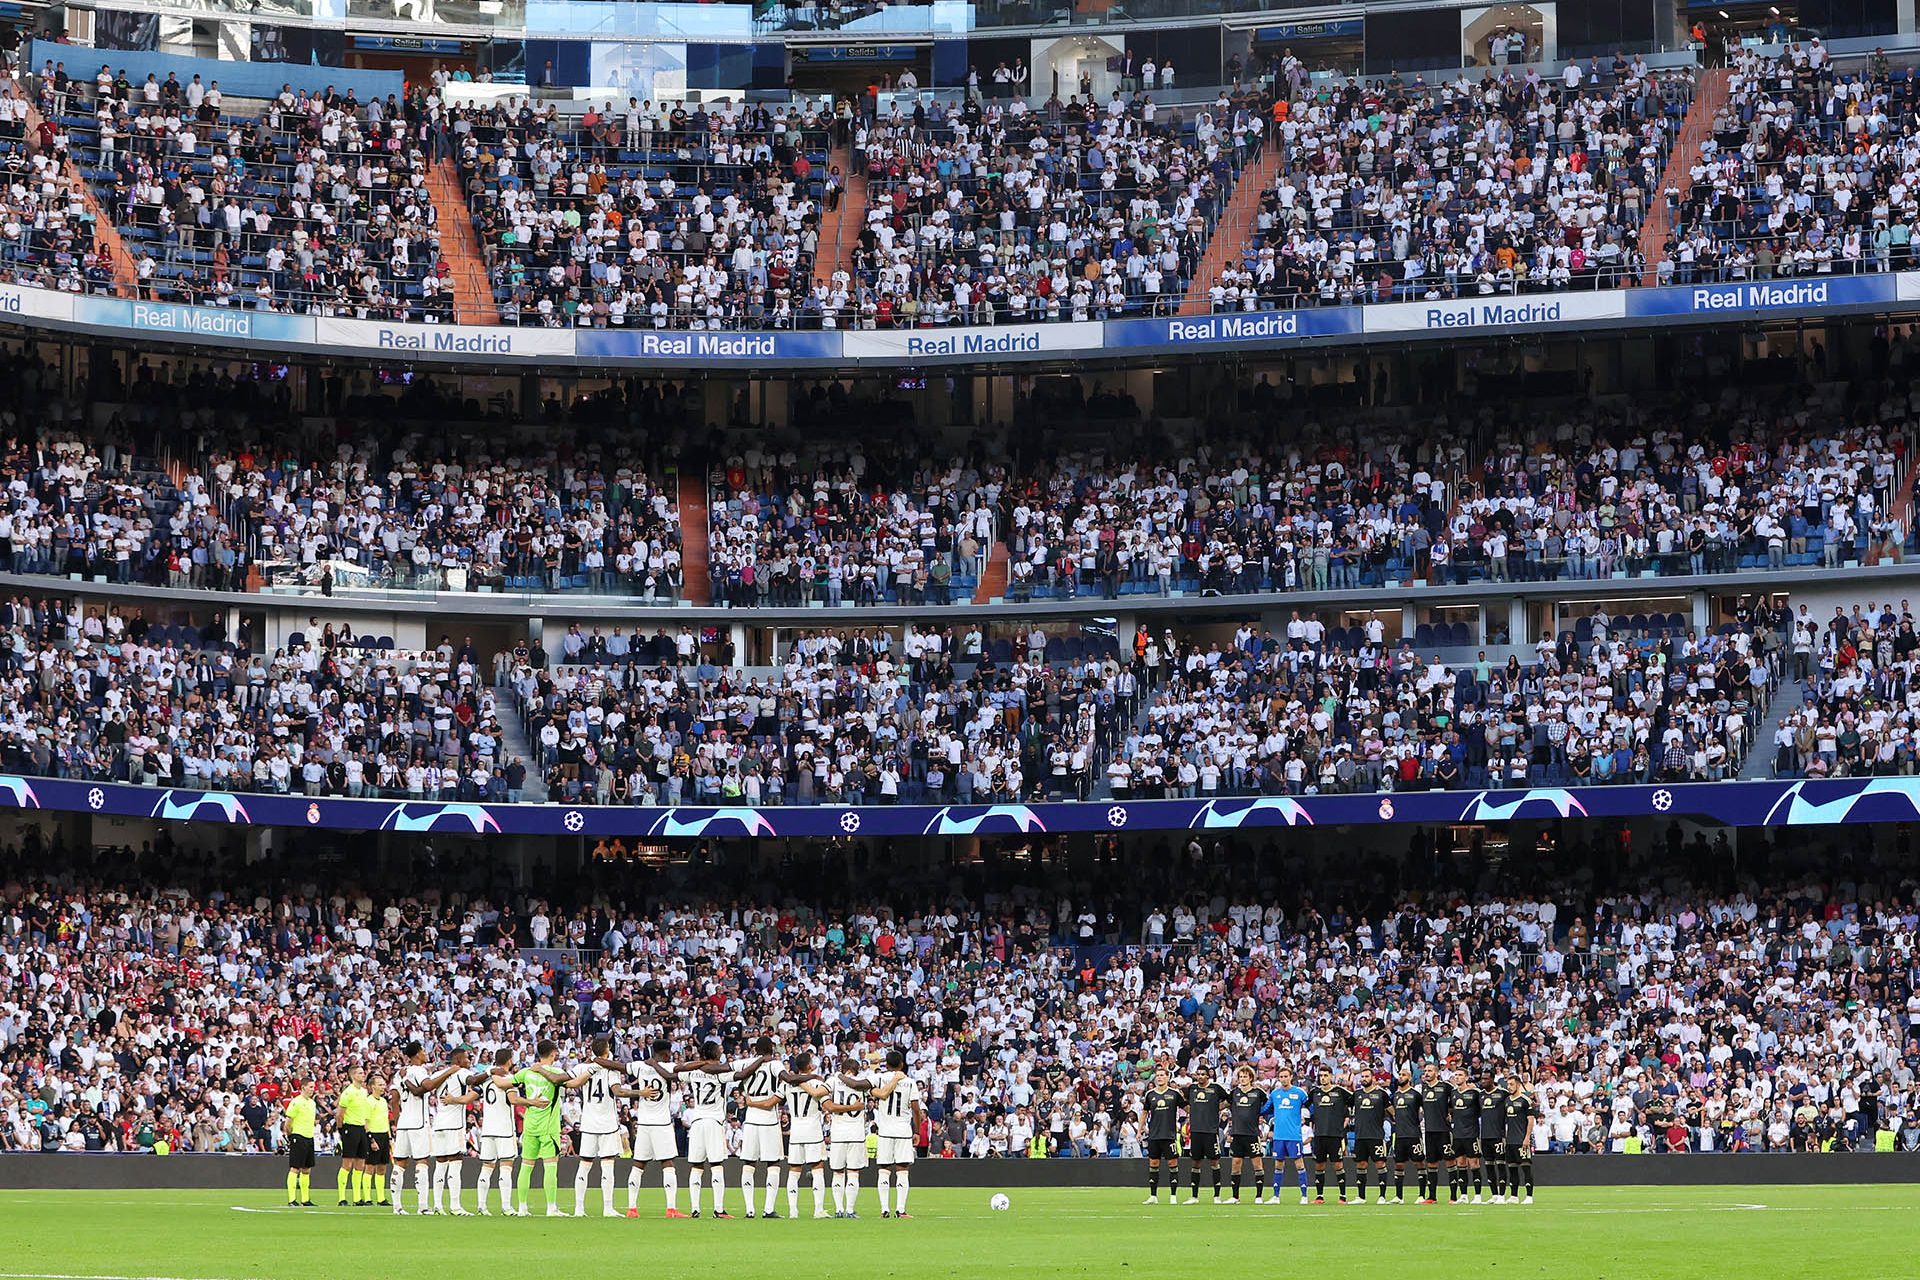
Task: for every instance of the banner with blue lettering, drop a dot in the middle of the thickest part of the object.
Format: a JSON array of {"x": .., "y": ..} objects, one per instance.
[
  {"x": 679, "y": 345},
  {"x": 445, "y": 339},
  {"x": 1249, "y": 328},
  {"x": 1527, "y": 312},
  {"x": 1804, "y": 293},
  {"x": 1750, "y": 804},
  {"x": 974, "y": 343}
]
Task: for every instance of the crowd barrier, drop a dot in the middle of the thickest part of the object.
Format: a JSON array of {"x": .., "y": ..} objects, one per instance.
[
  {"x": 1734, "y": 804},
  {"x": 1526, "y": 315},
  {"x": 268, "y": 1174}
]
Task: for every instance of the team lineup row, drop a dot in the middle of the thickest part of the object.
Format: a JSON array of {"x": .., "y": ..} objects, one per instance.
[
  {"x": 793, "y": 1116},
  {"x": 809, "y": 1121}
]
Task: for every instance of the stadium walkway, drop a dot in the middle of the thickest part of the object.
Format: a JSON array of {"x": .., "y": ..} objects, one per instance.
[{"x": 460, "y": 246}]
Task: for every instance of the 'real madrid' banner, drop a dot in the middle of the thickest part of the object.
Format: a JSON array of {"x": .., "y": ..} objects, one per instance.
[{"x": 1743, "y": 804}]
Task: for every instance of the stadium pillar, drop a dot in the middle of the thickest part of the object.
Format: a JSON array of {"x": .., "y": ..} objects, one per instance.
[
  {"x": 1125, "y": 627},
  {"x": 739, "y": 635},
  {"x": 1517, "y": 631},
  {"x": 1702, "y": 612}
]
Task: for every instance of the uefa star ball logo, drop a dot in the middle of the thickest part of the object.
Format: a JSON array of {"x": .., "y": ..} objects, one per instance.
[
  {"x": 1663, "y": 799},
  {"x": 1117, "y": 816},
  {"x": 849, "y": 822},
  {"x": 96, "y": 798},
  {"x": 575, "y": 820}
]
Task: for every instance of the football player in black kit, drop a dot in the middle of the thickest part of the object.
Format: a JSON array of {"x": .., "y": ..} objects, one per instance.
[
  {"x": 1517, "y": 1144},
  {"x": 1466, "y": 1135},
  {"x": 1406, "y": 1135},
  {"x": 1436, "y": 1101},
  {"x": 1493, "y": 1127},
  {"x": 1371, "y": 1102},
  {"x": 1332, "y": 1104},
  {"x": 1162, "y": 1103},
  {"x": 1243, "y": 1128},
  {"x": 1205, "y": 1098}
]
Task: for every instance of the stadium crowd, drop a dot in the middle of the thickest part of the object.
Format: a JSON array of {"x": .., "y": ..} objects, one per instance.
[
  {"x": 1808, "y": 171},
  {"x": 1759, "y": 999}
]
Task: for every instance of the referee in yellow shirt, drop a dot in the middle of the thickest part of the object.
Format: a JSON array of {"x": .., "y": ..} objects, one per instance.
[
  {"x": 379, "y": 1140},
  {"x": 301, "y": 1113},
  {"x": 354, "y": 1103}
]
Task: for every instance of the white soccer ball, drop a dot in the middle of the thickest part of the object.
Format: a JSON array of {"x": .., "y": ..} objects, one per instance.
[{"x": 999, "y": 1204}]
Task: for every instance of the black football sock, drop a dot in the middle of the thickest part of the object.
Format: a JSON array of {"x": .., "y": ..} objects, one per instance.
[
  {"x": 1400, "y": 1183},
  {"x": 1497, "y": 1177},
  {"x": 1153, "y": 1181},
  {"x": 1216, "y": 1182},
  {"x": 1341, "y": 1176},
  {"x": 1479, "y": 1182},
  {"x": 1362, "y": 1175},
  {"x": 1236, "y": 1186},
  {"x": 1529, "y": 1171},
  {"x": 1320, "y": 1183},
  {"x": 1196, "y": 1182}
]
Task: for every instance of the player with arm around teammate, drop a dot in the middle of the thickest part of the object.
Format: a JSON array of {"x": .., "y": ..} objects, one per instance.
[
  {"x": 413, "y": 1140},
  {"x": 760, "y": 1141},
  {"x": 805, "y": 1095},
  {"x": 897, "y": 1115},
  {"x": 846, "y": 1109},
  {"x": 602, "y": 1137},
  {"x": 499, "y": 1135},
  {"x": 650, "y": 1086},
  {"x": 450, "y": 1101}
]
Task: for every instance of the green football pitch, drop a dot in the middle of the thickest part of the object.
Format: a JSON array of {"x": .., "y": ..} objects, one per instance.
[{"x": 1635, "y": 1233}]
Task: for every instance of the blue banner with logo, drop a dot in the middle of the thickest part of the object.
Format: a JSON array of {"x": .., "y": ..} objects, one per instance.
[
  {"x": 167, "y": 319},
  {"x": 712, "y": 345},
  {"x": 1236, "y": 327},
  {"x": 1753, "y": 804},
  {"x": 1806, "y": 293}
]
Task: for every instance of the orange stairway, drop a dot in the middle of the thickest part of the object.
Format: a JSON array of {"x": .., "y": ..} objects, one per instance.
[
  {"x": 840, "y": 228},
  {"x": 993, "y": 582},
  {"x": 106, "y": 236},
  {"x": 698, "y": 588},
  {"x": 1709, "y": 95},
  {"x": 460, "y": 248},
  {"x": 1228, "y": 246}
]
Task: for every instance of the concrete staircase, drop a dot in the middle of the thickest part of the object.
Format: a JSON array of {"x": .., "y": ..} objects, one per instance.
[
  {"x": 1228, "y": 246},
  {"x": 514, "y": 742},
  {"x": 1786, "y": 697},
  {"x": 460, "y": 248},
  {"x": 106, "y": 236},
  {"x": 1709, "y": 95},
  {"x": 840, "y": 228},
  {"x": 694, "y": 530},
  {"x": 993, "y": 579}
]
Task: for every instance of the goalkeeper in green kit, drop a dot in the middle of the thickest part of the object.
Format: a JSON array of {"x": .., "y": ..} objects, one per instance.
[{"x": 540, "y": 1127}]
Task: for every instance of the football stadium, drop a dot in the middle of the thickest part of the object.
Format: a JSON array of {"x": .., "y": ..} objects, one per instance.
[{"x": 833, "y": 638}]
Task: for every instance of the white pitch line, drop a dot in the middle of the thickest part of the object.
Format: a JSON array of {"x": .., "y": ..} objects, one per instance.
[{"x": 70, "y": 1275}]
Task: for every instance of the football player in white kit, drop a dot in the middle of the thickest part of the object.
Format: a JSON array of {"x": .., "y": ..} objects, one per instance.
[
  {"x": 413, "y": 1135},
  {"x": 897, "y": 1117},
  {"x": 803, "y": 1092},
  {"x": 703, "y": 1084},
  {"x": 450, "y": 1099},
  {"x": 846, "y": 1108},
  {"x": 499, "y": 1136},
  {"x": 760, "y": 1136},
  {"x": 653, "y": 1141},
  {"x": 602, "y": 1137}
]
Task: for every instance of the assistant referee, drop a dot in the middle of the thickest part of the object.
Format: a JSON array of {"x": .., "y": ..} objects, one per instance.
[
  {"x": 353, "y": 1104},
  {"x": 301, "y": 1114}
]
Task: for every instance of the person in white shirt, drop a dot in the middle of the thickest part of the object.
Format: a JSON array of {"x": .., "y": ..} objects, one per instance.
[
  {"x": 499, "y": 1136},
  {"x": 847, "y": 1135},
  {"x": 760, "y": 1141},
  {"x": 651, "y": 1088},
  {"x": 413, "y": 1135},
  {"x": 450, "y": 1099},
  {"x": 600, "y": 1137},
  {"x": 897, "y": 1115},
  {"x": 704, "y": 1081},
  {"x": 804, "y": 1092}
]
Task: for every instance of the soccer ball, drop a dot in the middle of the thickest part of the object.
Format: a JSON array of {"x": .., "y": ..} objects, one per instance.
[{"x": 999, "y": 1204}]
